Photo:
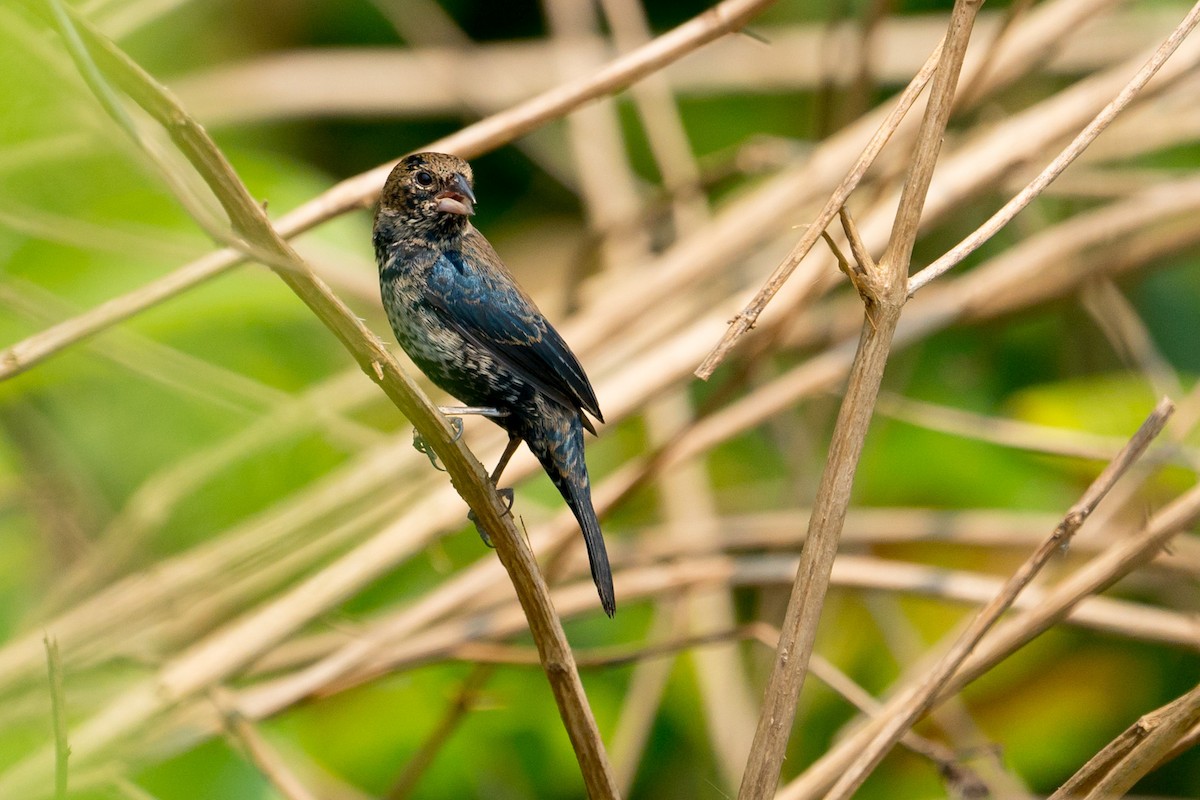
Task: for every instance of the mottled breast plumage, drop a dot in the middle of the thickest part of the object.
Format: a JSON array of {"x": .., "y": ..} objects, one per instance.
[
  {"x": 462, "y": 318},
  {"x": 457, "y": 310}
]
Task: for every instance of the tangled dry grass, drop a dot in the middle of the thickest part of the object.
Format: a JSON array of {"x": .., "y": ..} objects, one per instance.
[{"x": 229, "y": 631}]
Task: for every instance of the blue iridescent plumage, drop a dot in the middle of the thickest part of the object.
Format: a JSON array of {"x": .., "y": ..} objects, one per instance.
[{"x": 462, "y": 318}]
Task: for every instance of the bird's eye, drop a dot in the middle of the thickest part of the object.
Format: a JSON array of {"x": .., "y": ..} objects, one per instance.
[{"x": 424, "y": 178}]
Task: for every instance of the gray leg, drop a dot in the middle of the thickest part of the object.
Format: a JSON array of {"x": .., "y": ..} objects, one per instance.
[
  {"x": 456, "y": 413},
  {"x": 513, "y": 443},
  {"x": 507, "y": 494},
  {"x": 462, "y": 411}
]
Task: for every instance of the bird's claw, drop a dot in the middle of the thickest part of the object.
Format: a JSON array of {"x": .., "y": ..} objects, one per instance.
[
  {"x": 422, "y": 446},
  {"x": 507, "y": 496},
  {"x": 483, "y": 534}
]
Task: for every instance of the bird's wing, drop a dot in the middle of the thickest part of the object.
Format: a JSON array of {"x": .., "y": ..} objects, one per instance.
[{"x": 487, "y": 307}]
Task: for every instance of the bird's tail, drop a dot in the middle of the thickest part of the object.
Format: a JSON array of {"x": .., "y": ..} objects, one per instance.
[{"x": 560, "y": 450}]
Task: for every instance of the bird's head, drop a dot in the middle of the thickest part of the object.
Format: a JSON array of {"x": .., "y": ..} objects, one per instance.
[{"x": 429, "y": 195}]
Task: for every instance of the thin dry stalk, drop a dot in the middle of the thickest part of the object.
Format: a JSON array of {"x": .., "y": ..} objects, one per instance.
[
  {"x": 151, "y": 505},
  {"x": 886, "y": 287},
  {"x": 1140, "y": 748},
  {"x": 101, "y": 623},
  {"x": 467, "y": 474},
  {"x": 259, "y": 750},
  {"x": 448, "y": 75},
  {"x": 688, "y": 502},
  {"x": 1185, "y": 743},
  {"x": 58, "y": 717},
  {"x": 644, "y": 693},
  {"x": 960, "y": 779},
  {"x": 841, "y": 683},
  {"x": 460, "y": 636},
  {"x": 686, "y": 496},
  {"x": 493, "y": 587},
  {"x": 1045, "y": 27},
  {"x": 747, "y": 223},
  {"x": 161, "y": 363},
  {"x": 464, "y": 701},
  {"x": 1072, "y": 151},
  {"x": 1013, "y": 433},
  {"x": 1096, "y": 575},
  {"x": 953, "y": 720},
  {"x": 1016, "y": 279},
  {"x": 691, "y": 511},
  {"x": 903, "y": 711},
  {"x": 1124, "y": 328},
  {"x": 605, "y": 657},
  {"x": 449, "y": 637},
  {"x": 362, "y": 189},
  {"x": 744, "y": 321}
]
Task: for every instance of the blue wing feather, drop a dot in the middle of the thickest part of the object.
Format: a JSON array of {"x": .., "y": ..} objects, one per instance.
[{"x": 485, "y": 305}]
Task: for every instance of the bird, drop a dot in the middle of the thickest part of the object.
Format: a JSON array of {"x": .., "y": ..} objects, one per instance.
[{"x": 464, "y": 321}]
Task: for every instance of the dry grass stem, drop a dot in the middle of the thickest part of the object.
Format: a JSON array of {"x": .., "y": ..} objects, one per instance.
[
  {"x": 1016, "y": 279},
  {"x": 1129, "y": 336},
  {"x": 1020, "y": 435},
  {"x": 58, "y": 716},
  {"x": 362, "y": 189},
  {"x": 1099, "y": 573},
  {"x": 450, "y": 75},
  {"x": 178, "y": 627},
  {"x": 1080, "y": 143},
  {"x": 887, "y": 292},
  {"x": 642, "y": 700},
  {"x": 462, "y": 704},
  {"x": 248, "y": 219},
  {"x": 965, "y": 782},
  {"x": 745, "y": 320},
  {"x": 261, "y": 753},
  {"x": 904, "y": 710},
  {"x": 451, "y": 637},
  {"x": 1140, "y": 748}
]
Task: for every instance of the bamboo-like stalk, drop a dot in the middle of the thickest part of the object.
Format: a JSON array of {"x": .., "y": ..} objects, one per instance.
[
  {"x": 468, "y": 475},
  {"x": 58, "y": 716},
  {"x": 746, "y": 318},
  {"x": 288, "y": 568},
  {"x": 884, "y": 288},
  {"x": 361, "y": 190},
  {"x": 260, "y": 752},
  {"x": 1120, "y": 764},
  {"x": 1055, "y": 168},
  {"x": 900, "y": 714},
  {"x": 1004, "y": 639}
]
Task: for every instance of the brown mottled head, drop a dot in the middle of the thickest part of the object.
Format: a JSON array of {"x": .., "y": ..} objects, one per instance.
[{"x": 427, "y": 195}]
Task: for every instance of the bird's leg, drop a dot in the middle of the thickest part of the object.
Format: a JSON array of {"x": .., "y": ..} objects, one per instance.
[
  {"x": 422, "y": 447},
  {"x": 507, "y": 494},
  {"x": 513, "y": 443},
  {"x": 455, "y": 413}
]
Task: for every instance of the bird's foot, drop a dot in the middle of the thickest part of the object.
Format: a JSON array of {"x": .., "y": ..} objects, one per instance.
[
  {"x": 422, "y": 446},
  {"x": 507, "y": 496}
]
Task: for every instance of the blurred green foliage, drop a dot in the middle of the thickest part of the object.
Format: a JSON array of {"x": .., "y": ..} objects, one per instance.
[{"x": 65, "y": 176}]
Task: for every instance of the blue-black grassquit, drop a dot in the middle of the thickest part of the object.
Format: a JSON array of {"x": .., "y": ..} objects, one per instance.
[{"x": 458, "y": 313}]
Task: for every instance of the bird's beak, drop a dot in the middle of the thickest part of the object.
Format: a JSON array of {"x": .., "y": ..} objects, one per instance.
[{"x": 458, "y": 198}]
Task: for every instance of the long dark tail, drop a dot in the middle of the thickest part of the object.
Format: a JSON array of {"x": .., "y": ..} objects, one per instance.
[{"x": 559, "y": 446}]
